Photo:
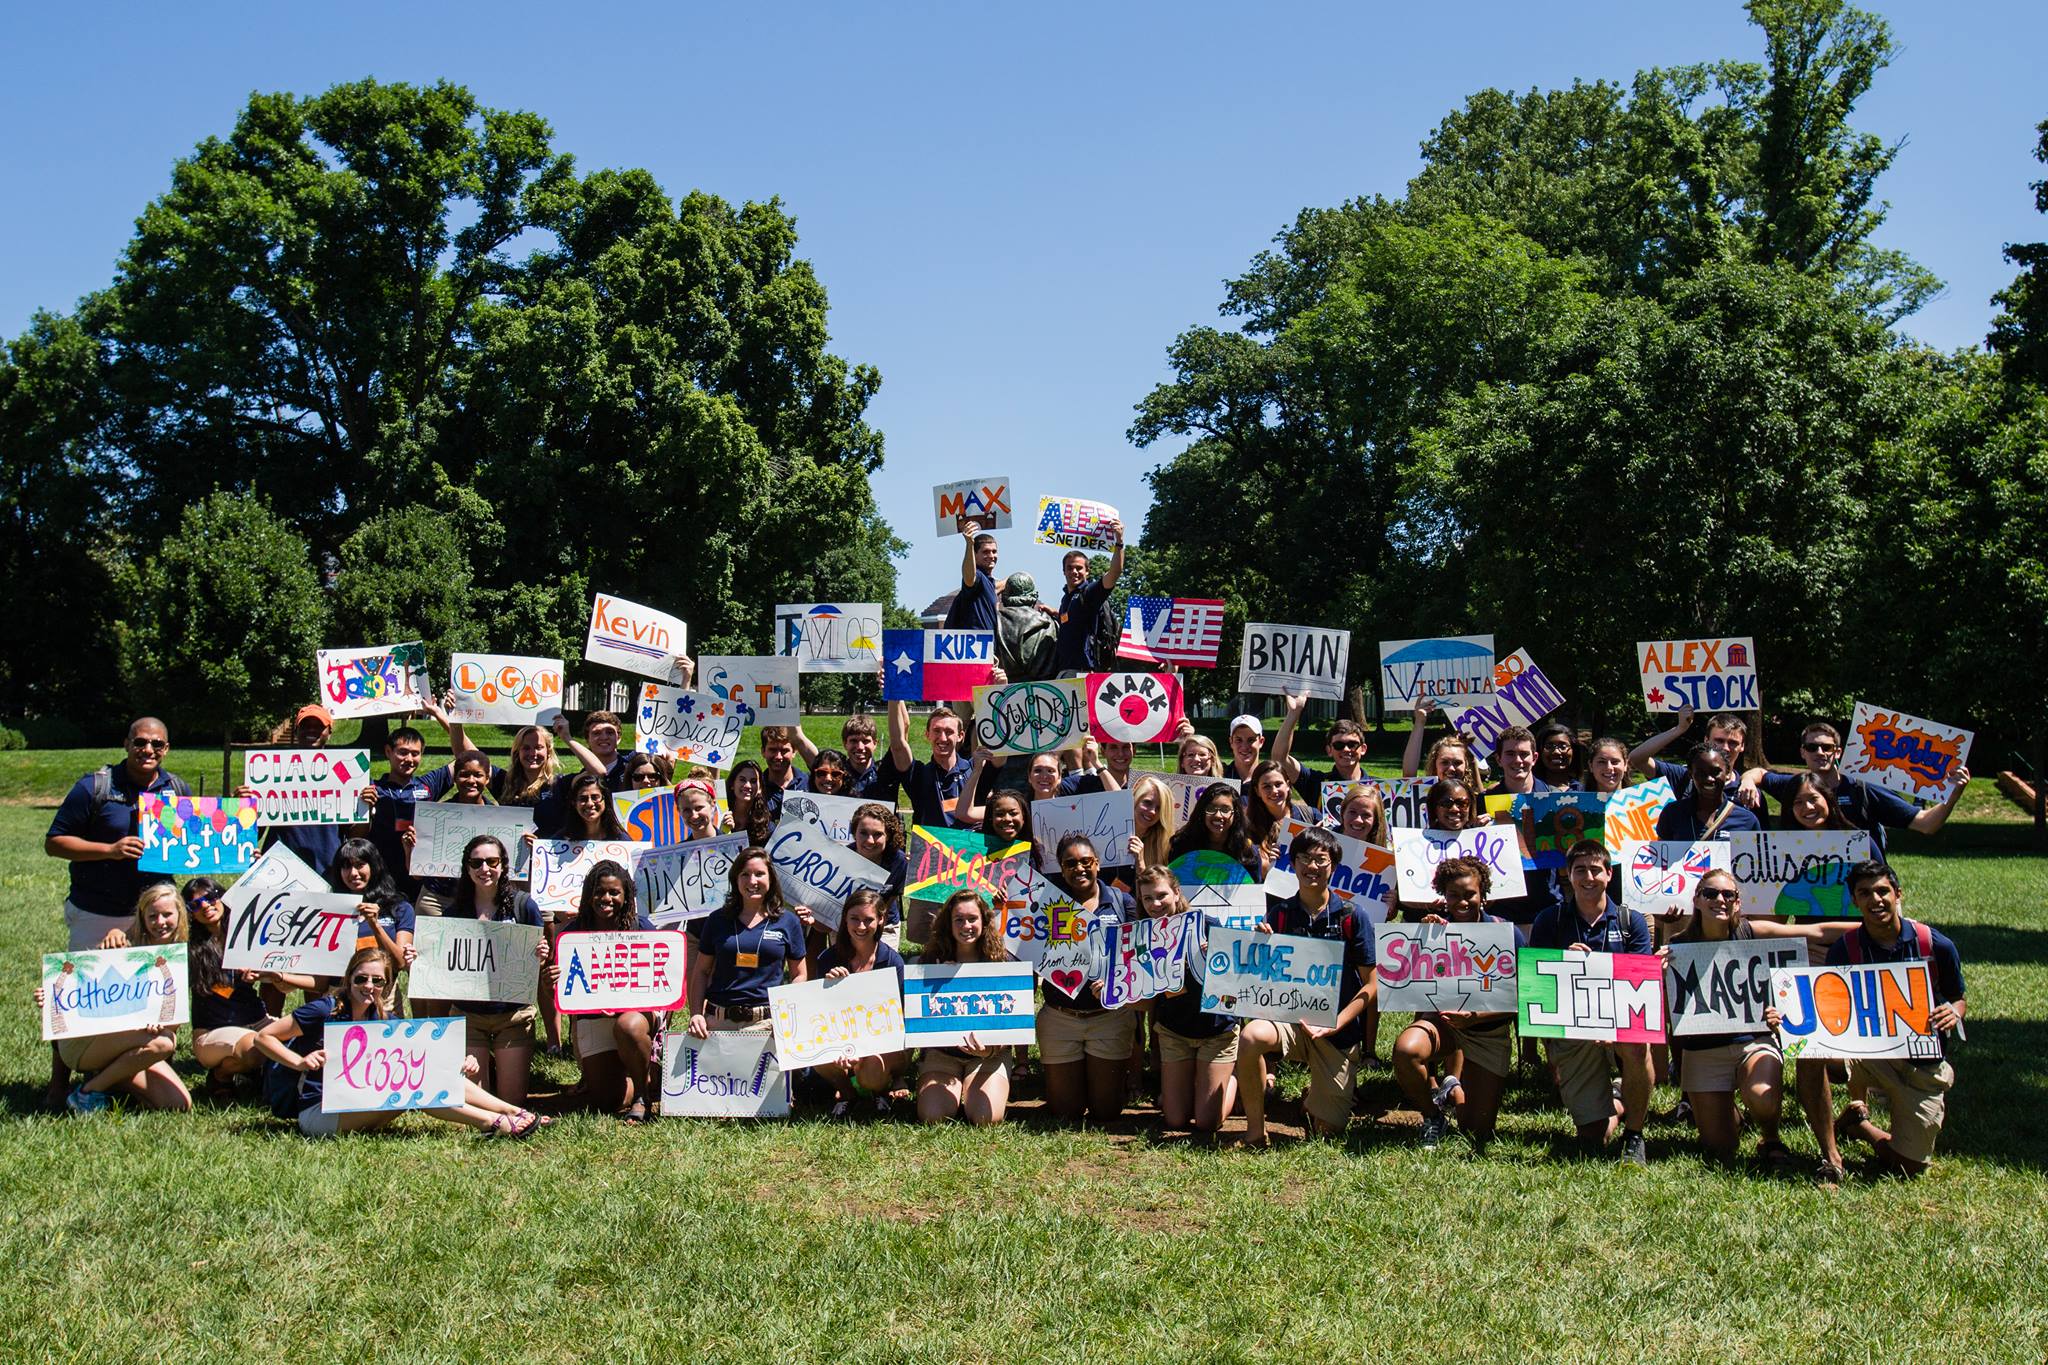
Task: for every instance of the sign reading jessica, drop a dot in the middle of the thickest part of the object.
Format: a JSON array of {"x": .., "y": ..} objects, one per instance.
[
  {"x": 1447, "y": 967},
  {"x": 474, "y": 959},
  {"x": 936, "y": 665},
  {"x": 1707, "y": 675},
  {"x": 442, "y": 829},
  {"x": 1522, "y": 695},
  {"x": 985, "y": 502},
  {"x": 1105, "y": 817},
  {"x": 1801, "y": 872},
  {"x": 1143, "y": 958},
  {"x": 635, "y": 639},
  {"x": 946, "y": 1004},
  {"x": 1030, "y": 717},
  {"x": 1725, "y": 987},
  {"x": 393, "y": 1064},
  {"x": 193, "y": 834},
  {"x": 1186, "y": 631},
  {"x": 383, "y": 680},
  {"x": 818, "y": 874},
  {"x": 1916, "y": 758},
  {"x": 1051, "y": 933},
  {"x": 1272, "y": 976},
  {"x": 1661, "y": 874},
  {"x": 1451, "y": 671},
  {"x": 1418, "y": 851},
  {"x": 830, "y": 637},
  {"x": 856, "y": 1016},
  {"x": 690, "y": 727},
  {"x": 1283, "y": 660},
  {"x": 1879, "y": 1009},
  {"x": 308, "y": 786},
  {"x": 604, "y": 973},
  {"x": 1595, "y": 997},
  {"x": 505, "y": 689},
  {"x": 943, "y": 861},
  {"x": 1075, "y": 524},
  {"x": 113, "y": 990},
  {"x": 1133, "y": 708},
  {"x": 767, "y": 683},
  {"x": 313, "y": 932},
  {"x": 723, "y": 1076}
]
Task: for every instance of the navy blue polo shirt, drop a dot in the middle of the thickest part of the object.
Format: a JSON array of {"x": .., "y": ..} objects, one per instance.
[
  {"x": 1081, "y": 782},
  {"x": 799, "y": 781},
  {"x": 1616, "y": 931},
  {"x": 1866, "y": 806},
  {"x": 109, "y": 886},
  {"x": 1288, "y": 915},
  {"x": 393, "y": 815},
  {"x": 1681, "y": 820},
  {"x": 315, "y": 845},
  {"x": 886, "y": 959},
  {"x": 1946, "y": 966},
  {"x": 974, "y": 608},
  {"x": 745, "y": 963},
  {"x": 932, "y": 788},
  {"x": 1074, "y": 649},
  {"x": 1309, "y": 783},
  {"x": 870, "y": 781}
]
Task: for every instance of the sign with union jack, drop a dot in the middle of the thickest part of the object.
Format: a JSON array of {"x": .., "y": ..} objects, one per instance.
[{"x": 1173, "y": 630}]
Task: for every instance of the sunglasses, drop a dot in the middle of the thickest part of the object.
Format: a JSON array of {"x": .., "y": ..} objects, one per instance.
[
  {"x": 1079, "y": 862},
  {"x": 486, "y": 862},
  {"x": 155, "y": 745},
  {"x": 1344, "y": 744},
  {"x": 363, "y": 979},
  {"x": 1822, "y": 748},
  {"x": 1718, "y": 894}
]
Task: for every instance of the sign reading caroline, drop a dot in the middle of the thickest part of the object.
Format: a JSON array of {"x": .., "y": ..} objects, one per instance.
[
  {"x": 505, "y": 689},
  {"x": 375, "y": 1064},
  {"x": 1075, "y": 524},
  {"x": 193, "y": 834},
  {"x": 856, "y": 1016},
  {"x": 1450, "y": 671},
  {"x": 308, "y": 786},
  {"x": 383, "y": 680},
  {"x": 1283, "y": 660},
  {"x": 985, "y": 502},
  {"x": 1595, "y": 997},
  {"x": 1133, "y": 708},
  {"x": 635, "y": 639},
  {"x": 818, "y": 874},
  {"x": 1707, "y": 675},
  {"x": 1916, "y": 758},
  {"x": 114, "y": 990},
  {"x": 605, "y": 972},
  {"x": 1879, "y": 1009},
  {"x": 1037, "y": 717},
  {"x": 690, "y": 727},
  {"x": 830, "y": 637}
]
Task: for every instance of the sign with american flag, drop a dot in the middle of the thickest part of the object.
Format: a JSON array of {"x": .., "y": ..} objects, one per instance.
[{"x": 1173, "y": 630}]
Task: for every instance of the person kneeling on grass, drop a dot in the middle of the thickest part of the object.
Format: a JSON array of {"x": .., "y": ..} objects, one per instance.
[
  {"x": 970, "y": 1079},
  {"x": 296, "y": 1047},
  {"x": 1474, "y": 1049},
  {"x": 615, "y": 1051},
  {"x": 1197, "y": 1050},
  {"x": 134, "y": 1063},
  {"x": 859, "y": 948}
]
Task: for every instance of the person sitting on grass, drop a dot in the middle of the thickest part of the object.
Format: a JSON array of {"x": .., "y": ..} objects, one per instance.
[
  {"x": 969, "y": 1079},
  {"x": 742, "y": 949},
  {"x": 227, "y": 1009},
  {"x": 133, "y": 1064},
  {"x": 1473, "y": 1049},
  {"x": 615, "y": 1051},
  {"x": 858, "y": 947},
  {"x": 1197, "y": 1050},
  {"x": 1085, "y": 1048},
  {"x": 499, "y": 1032}
]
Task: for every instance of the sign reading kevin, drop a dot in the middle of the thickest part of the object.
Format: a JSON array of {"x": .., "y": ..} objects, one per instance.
[
  {"x": 1707, "y": 675},
  {"x": 636, "y": 639}
]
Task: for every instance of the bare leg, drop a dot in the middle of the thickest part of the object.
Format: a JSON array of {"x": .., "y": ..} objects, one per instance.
[
  {"x": 1105, "y": 1088},
  {"x": 1763, "y": 1094},
  {"x": 1215, "y": 1089},
  {"x": 938, "y": 1097},
  {"x": 1177, "y": 1095},
  {"x": 1482, "y": 1103},
  {"x": 117, "y": 1057},
  {"x": 1066, "y": 1090},
  {"x": 1713, "y": 1112},
  {"x": 159, "y": 1087},
  {"x": 635, "y": 1037},
  {"x": 1816, "y": 1097},
  {"x": 1635, "y": 1084},
  {"x": 513, "y": 1068},
  {"x": 1257, "y": 1038},
  {"x": 988, "y": 1099},
  {"x": 1413, "y": 1051}
]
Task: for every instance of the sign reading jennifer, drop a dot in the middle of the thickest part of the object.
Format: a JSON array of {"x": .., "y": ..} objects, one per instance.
[
  {"x": 1282, "y": 660},
  {"x": 1707, "y": 675},
  {"x": 985, "y": 502},
  {"x": 1449, "y": 671}
]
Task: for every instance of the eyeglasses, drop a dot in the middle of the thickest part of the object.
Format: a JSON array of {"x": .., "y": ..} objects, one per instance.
[
  {"x": 1080, "y": 862},
  {"x": 1312, "y": 860},
  {"x": 486, "y": 862},
  {"x": 364, "y": 979},
  {"x": 1718, "y": 893},
  {"x": 156, "y": 745}
]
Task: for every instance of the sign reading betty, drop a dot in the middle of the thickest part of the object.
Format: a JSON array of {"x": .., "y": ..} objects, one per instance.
[
  {"x": 1282, "y": 660},
  {"x": 830, "y": 637},
  {"x": 635, "y": 639},
  {"x": 1707, "y": 675}
]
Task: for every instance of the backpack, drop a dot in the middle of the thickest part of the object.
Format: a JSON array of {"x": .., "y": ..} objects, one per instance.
[
  {"x": 1852, "y": 943},
  {"x": 1108, "y": 633},
  {"x": 103, "y": 789}
]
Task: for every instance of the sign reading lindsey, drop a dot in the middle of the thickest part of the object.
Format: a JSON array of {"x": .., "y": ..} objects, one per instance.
[
  {"x": 308, "y": 786},
  {"x": 114, "y": 990},
  {"x": 724, "y": 1076},
  {"x": 1283, "y": 660}
]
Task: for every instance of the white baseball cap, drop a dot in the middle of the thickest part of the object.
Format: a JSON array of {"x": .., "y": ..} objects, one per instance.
[{"x": 1247, "y": 720}]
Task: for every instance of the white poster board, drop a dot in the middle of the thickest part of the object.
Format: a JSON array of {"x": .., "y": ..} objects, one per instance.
[
  {"x": 1448, "y": 671},
  {"x": 607, "y": 972},
  {"x": 382, "y": 680},
  {"x": 1724, "y": 987},
  {"x": 690, "y": 727},
  {"x": 983, "y": 501},
  {"x": 442, "y": 829},
  {"x": 678, "y": 883},
  {"x": 1717, "y": 674},
  {"x": 833, "y": 814},
  {"x": 1418, "y": 851},
  {"x": 1251, "y": 975},
  {"x": 1075, "y": 524},
  {"x": 830, "y": 637},
  {"x": 1803, "y": 872},
  {"x": 767, "y": 683},
  {"x": 1878, "y": 1009},
  {"x": 1282, "y": 660},
  {"x": 856, "y": 1016},
  {"x": 313, "y": 932},
  {"x": 1660, "y": 874},
  {"x": 474, "y": 959},
  {"x": 113, "y": 990},
  {"x": 635, "y": 639},
  {"x": 308, "y": 786},
  {"x": 379, "y": 1064},
  {"x": 1919, "y": 759},
  {"x": 723, "y": 1076},
  {"x": 814, "y": 872},
  {"x": 504, "y": 689},
  {"x": 1453, "y": 967},
  {"x": 1105, "y": 817}
]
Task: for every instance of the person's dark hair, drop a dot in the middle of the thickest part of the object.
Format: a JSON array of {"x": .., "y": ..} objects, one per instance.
[
  {"x": 1343, "y": 726},
  {"x": 202, "y": 949},
  {"x": 382, "y": 890},
  {"x": 891, "y": 821},
  {"x": 608, "y": 818},
  {"x": 842, "y": 940},
  {"x": 857, "y": 725},
  {"x": 1450, "y": 869},
  {"x": 602, "y": 718},
  {"x": 1873, "y": 870},
  {"x": 1706, "y": 748},
  {"x": 1316, "y": 837},
  {"x": 1070, "y": 556},
  {"x": 661, "y": 765},
  {"x": 1593, "y": 751},
  {"x": 1442, "y": 791},
  {"x": 198, "y": 888},
  {"x": 1824, "y": 783},
  {"x": 470, "y": 758},
  {"x": 403, "y": 733},
  {"x": 1193, "y": 835},
  {"x": 1258, "y": 821},
  {"x": 771, "y": 903},
  {"x": 1074, "y": 840},
  {"x": 1588, "y": 848},
  {"x": 982, "y": 538},
  {"x": 939, "y": 945},
  {"x": 1013, "y": 798},
  {"x": 586, "y": 908},
  {"x": 465, "y": 889},
  {"x": 830, "y": 759},
  {"x": 758, "y": 825}
]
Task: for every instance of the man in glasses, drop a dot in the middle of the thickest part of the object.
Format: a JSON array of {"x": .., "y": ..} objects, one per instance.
[
  {"x": 1863, "y": 804},
  {"x": 1345, "y": 746}
]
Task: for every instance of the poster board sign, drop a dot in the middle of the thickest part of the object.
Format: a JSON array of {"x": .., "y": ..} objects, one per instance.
[
  {"x": 1037, "y": 717},
  {"x": 1430, "y": 967},
  {"x": 191, "y": 835},
  {"x": 1448, "y": 671},
  {"x": 944, "y": 860},
  {"x": 1407, "y": 801},
  {"x": 1916, "y": 758},
  {"x": 936, "y": 665},
  {"x": 382, "y": 680},
  {"x": 313, "y": 932},
  {"x": 113, "y": 990},
  {"x": 677, "y": 883},
  {"x": 1659, "y": 875},
  {"x": 1878, "y": 1009},
  {"x": 856, "y": 1016},
  {"x": 651, "y": 815},
  {"x": 1144, "y": 958},
  {"x": 1725, "y": 987},
  {"x": 944, "y": 1004},
  {"x": 814, "y": 872},
  {"x": 1076, "y": 524},
  {"x": 690, "y": 727},
  {"x": 1105, "y": 817},
  {"x": 1803, "y": 872},
  {"x": 830, "y": 637},
  {"x": 1522, "y": 695},
  {"x": 1187, "y": 789},
  {"x": 560, "y": 865},
  {"x": 1134, "y": 708},
  {"x": 1418, "y": 851},
  {"x": 474, "y": 959},
  {"x": 766, "y": 683},
  {"x": 722, "y": 1076},
  {"x": 1551, "y": 822},
  {"x": 604, "y": 972},
  {"x": 1363, "y": 877},
  {"x": 442, "y": 829},
  {"x": 1282, "y": 660},
  {"x": 1632, "y": 813},
  {"x": 1250, "y": 975},
  {"x": 1717, "y": 674},
  {"x": 635, "y": 639},
  {"x": 1184, "y": 631},
  {"x": 833, "y": 814},
  {"x": 380, "y": 1064},
  {"x": 1048, "y": 922},
  {"x": 308, "y": 786},
  {"x": 504, "y": 689},
  {"x": 277, "y": 868},
  {"x": 1592, "y": 997},
  {"x": 984, "y": 502}
]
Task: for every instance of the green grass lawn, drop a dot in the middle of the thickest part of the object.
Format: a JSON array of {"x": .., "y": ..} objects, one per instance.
[{"x": 156, "y": 1236}]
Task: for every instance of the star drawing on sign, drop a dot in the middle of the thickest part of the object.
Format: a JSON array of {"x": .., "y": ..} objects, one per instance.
[{"x": 903, "y": 662}]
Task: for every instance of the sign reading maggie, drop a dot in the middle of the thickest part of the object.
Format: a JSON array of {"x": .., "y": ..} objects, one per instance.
[
  {"x": 723, "y": 1076},
  {"x": 1143, "y": 958},
  {"x": 635, "y": 639},
  {"x": 1522, "y": 695},
  {"x": 767, "y": 683},
  {"x": 505, "y": 689},
  {"x": 375, "y": 1064},
  {"x": 1187, "y": 631},
  {"x": 1450, "y": 671},
  {"x": 442, "y": 829},
  {"x": 1133, "y": 708},
  {"x": 1418, "y": 851},
  {"x": 1916, "y": 758},
  {"x": 833, "y": 814},
  {"x": 947, "y": 1003},
  {"x": 1662, "y": 874},
  {"x": 1362, "y": 879},
  {"x": 1075, "y": 524},
  {"x": 308, "y": 786},
  {"x": 1707, "y": 675},
  {"x": 936, "y": 665},
  {"x": 1104, "y": 817},
  {"x": 818, "y": 874},
  {"x": 682, "y": 882},
  {"x": 1725, "y": 987},
  {"x": 1283, "y": 660},
  {"x": 1802, "y": 872},
  {"x": 383, "y": 680},
  {"x": 943, "y": 861},
  {"x": 1596, "y": 997},
  {"x": 856, "y": 1016},
  {"x": 830, "y": 637},
  {"x": 1272, "y": 976},
  {"x": 1030, "y": 717},
  {"x": 690, "y": 727},
  {"x": 113, "y": 990},
  {"x": 985, "y": 502},
  {"x": 193, "y": 834},
  {"x": 605, "y": 973},
  {"x": 1632, "y": 813},
  {"x": 1447, "y": 967},
  {"x": 1879, "y": 1009},
  {"x": 313, "y": 932},
  {"x": 474, "y": 959}
]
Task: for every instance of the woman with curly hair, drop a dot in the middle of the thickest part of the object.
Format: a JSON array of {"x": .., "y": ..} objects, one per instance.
[
  {"x": 615, "y": 1051},
  {"x": 971, "y": 1079},
  {"x": 857, "y": 948}
]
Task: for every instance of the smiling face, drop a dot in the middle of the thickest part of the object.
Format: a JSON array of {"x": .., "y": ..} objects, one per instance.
[
  {"x": 1245, "y": 744},
  {"x": 1608, "y": 766},
  {"x": 1716, "y": 906},
  {"x": 1117, "y": 755},
  {"x": 746, "y": 786},
  {"x": 1811, "y": 808},
  {"x": 148, "y": 742},
  {"x": 1145, "y": 807},
  {"x": 160, "y": 917},
  {"x": 590, "y": 803},
  {"x": 367, "y": 985},
  {"x": 1451, "y": 811},
  {"x": 1273, "y": 792},
  {"x": 1820, "y": 749},
  {"x": 944, "y": 734},
  {"x": 1156, "y": 898},
  {"x": 208, "y": 910},
  {"x": 353, "y": 876},
  {"x": 777, "y": 754},
  {"x": 1453, "y": 761},
  {"x": 985, "y": 554},
  {"x": 871, "y": 838},
  {"x": 485, "y": 864},
  {"x": 829, "y": 779},
  {"x": 471, "y": 779},
  {"x": 969, "y": 924},
  {"x": 1346, "y": 751},
  {"x": 860, "y": 751},
  {"x": 863, "y": 923},
  {"x": 1517, "y": 761},
  {"x": 1878, "y": 898},
  {"x": 1362, "y": 815},
  {"x": 1196, "y": 760},
  {"x": 1004, "y": 818},
  {"x": 1589, "y": 877},
  {"x": 1217, "y": 818},
  {"x": 1312, "y": 868},
  {"x": 404, "y": 756},
  {"x": 1074, "y": 568},
  {"x": 753, "y": 878},
  {"x": 530, "y": 752},
  {"x": 1044, "y": 776},
  {"x": 1077, "y": 868},
  {"x": 1710, "y": 775},
  {"x": 311, "y": 732},
  {"x": 608, "y": 899},
  {"x": 1464, "y": 902},
  {"x": 603, "y": 739},
  {"x": 700, "y": 812}
]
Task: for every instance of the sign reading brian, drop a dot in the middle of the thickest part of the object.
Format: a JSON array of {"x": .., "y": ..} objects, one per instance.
[{"x": 1282, "y": 660}]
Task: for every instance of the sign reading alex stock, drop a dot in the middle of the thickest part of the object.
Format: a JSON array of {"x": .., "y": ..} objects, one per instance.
[{"x": 1708, "y": 675}]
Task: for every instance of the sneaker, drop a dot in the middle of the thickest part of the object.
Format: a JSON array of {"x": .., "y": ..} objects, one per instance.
[
  {"x": 841, "y": 1108},
  {"x": 1683, "y": 1113},
  {"x": 1633, "y": 1152},
  {"x": 83, "y": 1101},
  {"x": 1434, "y": 1126}
]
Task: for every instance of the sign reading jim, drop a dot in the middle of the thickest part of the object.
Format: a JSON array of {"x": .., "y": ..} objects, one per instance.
[{"x": 1282, "y": 660}]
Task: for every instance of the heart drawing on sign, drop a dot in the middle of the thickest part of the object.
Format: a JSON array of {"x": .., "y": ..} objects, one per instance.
[{"x": 1068, "y": 979}]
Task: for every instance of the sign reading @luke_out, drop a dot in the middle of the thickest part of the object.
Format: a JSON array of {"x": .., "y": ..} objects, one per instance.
[
  {"x": 112, "y": 990},
  {"x": 1075, "y": 524},
  {"x": 1916, "y": 758},
  {"x": 378, "y": 1064},
  {"x": 308, "y": 786},
  {"x": 188, "y": 835},
  {"x": 635, "y": 639},
  {"x": 474, "y": 959},
  {"x": 605, "y": 972},
  {"x": 383, "y": 680},
  {"x": 1878, "y": 1009},
  {"x": 504, "y": 689},
  {"x": 985, "y": 502},
  {"x": 1272, "y": 976},
  {"x": 945, "y": 1004},
  {"x": 1802, "y": 872},
  {"x": 936, "y": 665},
  {"x": 690, "y": 727},
  {"x": 856, "y": 1016},
  {"x": 1707, "y": 675},
  {"x": 1283, "y": 660},
  {"x": 723, "y": 1076},
  {"x": 1449, "y": 671},
  {"x": 1429, "y": 967},
  {"x": 1593, "y": 997},
  {"x": 1133, "y": 708},
  {"x": 767, "y": 683},
  {"x": 830, "y": 637},
  {"x": 1030, "y": 717}
]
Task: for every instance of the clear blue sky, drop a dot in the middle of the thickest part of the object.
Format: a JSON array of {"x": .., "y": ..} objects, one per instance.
[{"x": 1014, "y": 208}]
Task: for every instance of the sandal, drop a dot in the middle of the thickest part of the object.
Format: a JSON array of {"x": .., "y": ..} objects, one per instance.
[
  {"x": 1774, "y": 1153},
  {"x": 1828, "y": 1173},
  {"x": 634, "y": 1113},
  {"x": 520, "y": 1123}
]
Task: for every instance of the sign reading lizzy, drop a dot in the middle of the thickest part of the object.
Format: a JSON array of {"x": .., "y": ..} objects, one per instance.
[
  {"x": 936, "y": 665},
  {"x": 1075, "y": 524},
  {"x": 505, "y": 689},
  {"x": 985, "y": 502},
  {"x": 114, "y": 990},
  {"x": 723, "y": 1076},
  {"x": 1707, "y": 675},
  {"x": 1104, "y": 817},
  {"x": 192, "y": 834},
  {"x": 946, "y": 1004},
  {"x": 1661, "y": 875},
  {"x": 393, "y": 1064},
  {"x": 1447, "y": 967},
  {"x": 474, "y": 959},
  {"x": 856, "y": 1016},
  {"x": 1879, "y": 1009},
  {"x": 313, "y": 932},
  {"x": 1451, "y": 671},
  {"x": 690, "y": 727},
  {"x": 1916, "y": 758},
  {"x": 1133, "y": 708},
  {"x": 1596, "y": 997},
  {"x": 1802, "y": 872},
  {"x": 1143, "y": 958},
  {"x": 1725, "y": 987},
  {"x": 830, "y": 637},
  {"x": 1030, "y": 717},
  {"x": 442, "y": 829},
  {"x": 308, "y": 786},
  {"x": 681, "y": 882},
  {"x": 1272, "y": 976},
  {"x": 818, "y": 874},
  {"x": 604, "y": 973},
  {"x": 1283, "y": 660},
  {"x": 1522, "y": 695},
  {"x": 1418, "y": 851},
  {"x": 635, "y": 639},
  {"x": 383, "y": 680},
  {"x": 767, "y": 683},
  {"x": 1185, "y": 631}
]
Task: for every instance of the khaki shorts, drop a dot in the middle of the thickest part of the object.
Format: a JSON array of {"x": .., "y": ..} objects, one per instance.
[
  {"x": 1489, "y": 1049},
  {"x": 71, "y": 1051},
  {"x": 84, "y": 930},
  {"x": 1917, "y": 1097},
  {"x": 718, "y": 1023},
  {"x": 509, "y": 1028},
  {"x": 1174, "y": 1047},
  {"x": 1064, "y": 1036},
  {"x": 431, "y": 904},
  {"x": 594, "y": 1035},
  {"x": 1585, "y": 1078},
  {"x": 973, "y": 1070},
  {"x": 1718, "y": 1070},
  {"x": 225, "y": 1037},
  {"x": 1332, "y": 1071}
]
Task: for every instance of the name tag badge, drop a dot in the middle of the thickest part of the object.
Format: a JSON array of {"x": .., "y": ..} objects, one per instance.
[{"x": 742, "y": 959}]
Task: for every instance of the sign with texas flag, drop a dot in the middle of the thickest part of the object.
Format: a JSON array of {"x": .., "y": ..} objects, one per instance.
[
  {"x": 1133, "y": 708},
  {"x": 936, "y": 665}
]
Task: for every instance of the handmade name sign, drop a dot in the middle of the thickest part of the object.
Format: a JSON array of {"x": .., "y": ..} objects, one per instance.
[
  {"x": 377, "y": 1064},
  {"x": 1522, "y": 695},
  {"x": 945, "y": 1004},
  {"x": 1134, "y": 708},
  {"x": 1104, "y": 817},
  {"x": 1188, "y": 788},
  {"x": 651, "y": 816},
  {"x": 1418, "y": 851},
  {"x": 1725, "y": 987},
  {"x": 1076, "y": 524},
  {"x": 985, "y": 502},
  {"x": 1551, "y": 822},
  {"x": 1184, "y": 631},
  {"x": 1661, "y": 874},
  {"x": 1594, "y": 997},
  {"x": 1425, "y": 967},
  {"x": 1407, "y": 800},
  {"x": 943, "y": 861},
  {"x": 766, "y": 683},
  {"x": 1707, "y": 675},
  {"x": 383, "y": 680},
  {"x": 442, "y": 829},
  {"x": 635, "y": 639},
  {"x": 1282, "y": 660},
  {"x": 833, "y": 814},
  {"x": 814, "y": 872},
  {"x": 505, "y": 689},
  {"x": 690, "y": 727},
  {"x": 113, "y": 990},
  {"x": 1363, "y": 877},
  {"x": 1451, "y": 671},
  {"x": 1143, "y": 958},
  {"x": 560, "y": 865},
  {"x": 856, "y": 1016},
  {"x": 313, "y": 932},
  {"x": 189, "y": 835},
  {"x": 604, "y": 972},
  {"x": 1037, "y": 717},
  {"x": 723, "y": 1076},
  {"x": 936, "y": 665},
  {"x": 830, "y": 637},
  {"x": 1272, "y": 976},
  {"x": 1802, "y": 872},
  {"x": 1050, "y": 929},
  {"x": 308, "y": 786},
  {"x": 1879, "y": 1009},
  {"x": 1222, "y": 888},
  {"x": 474, "y": 959},
  {"x": 678, "y": 883},
  {"x": 1916, "y": 758},
  {"x": 1632, "y": 813}
]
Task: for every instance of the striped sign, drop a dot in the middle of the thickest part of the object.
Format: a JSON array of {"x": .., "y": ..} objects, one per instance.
[
  {"x": 1172, "y": 630},
  {"x": 946, "y": 1002}
]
